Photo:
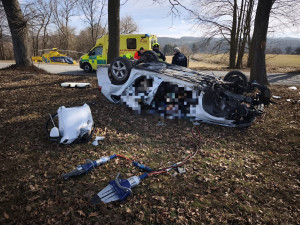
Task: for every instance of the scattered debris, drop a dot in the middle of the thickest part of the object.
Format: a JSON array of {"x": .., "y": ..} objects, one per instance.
[
  {"x": 74, "y": 84},
  {"x": 54, "y": 133},
  {"x": 98, "y": 138},
  {"x": 160, "y": 123},
  {"x": 195, "y": 123},
  {"x": 181, "y": 170},
  {"x": 276, "y": 97},
  {"x": 75, "y": 123},
  {"x": 292, "y": 88},
  {"x": 95, "y": 143}
]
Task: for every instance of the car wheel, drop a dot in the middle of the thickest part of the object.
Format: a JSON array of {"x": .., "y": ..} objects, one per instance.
[
  {"x": 239, "y": 80},
  {"x": 148, "y": 56},
  {"x": 120, "y": 70},
  {"x": 87, "y": 67}
]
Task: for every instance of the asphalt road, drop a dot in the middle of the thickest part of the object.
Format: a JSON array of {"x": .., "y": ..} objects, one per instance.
[{"x": 274, "y": 78}]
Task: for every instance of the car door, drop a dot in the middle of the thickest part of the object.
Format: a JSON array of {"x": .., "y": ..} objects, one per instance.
[{"x": 96, "y": 57}]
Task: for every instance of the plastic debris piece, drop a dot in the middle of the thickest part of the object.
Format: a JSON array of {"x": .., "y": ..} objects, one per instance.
[
  {"x": 292, "y": 88},
  {"x": 181, "y": 170},
  {"x": 289, "y": 100},
  {"x": 74, "y": 84},
  {"x": 95, "y": 143},
  {"x": 276, "y": 97},
  {"x": 160, "y": 123},
  {"x": 99, "y": 138},
  {"x": 195, "y": 123}
]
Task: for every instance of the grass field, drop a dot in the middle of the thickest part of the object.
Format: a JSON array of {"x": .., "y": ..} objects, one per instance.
[
  {"x": 239, "y": 176},
  {"x": 275, "y": 63}
]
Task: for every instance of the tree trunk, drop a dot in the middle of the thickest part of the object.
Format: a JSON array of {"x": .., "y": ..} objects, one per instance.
[
  {"x": 232, "y": 54},
  {"x": 258, "y": 63},
  {"x": 19, "y": 32},
  {"x": 2, "y": 55},
  {"x": 250, "y": 52},
  {"x": 113, "y": 29},
  {"x": 246, "y": 32}
]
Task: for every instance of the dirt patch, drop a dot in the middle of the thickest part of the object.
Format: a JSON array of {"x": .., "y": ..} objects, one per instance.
[
  {"x": 24, "y": 70},
  {"x": 241, "y": 176}
]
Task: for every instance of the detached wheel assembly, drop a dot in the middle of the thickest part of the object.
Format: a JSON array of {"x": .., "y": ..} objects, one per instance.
[
  {"x": 120, "y": 70},
  {"x": 239, "y": 80}
]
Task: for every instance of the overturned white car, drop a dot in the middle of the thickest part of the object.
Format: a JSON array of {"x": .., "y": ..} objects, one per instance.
[{"x": 153, "y": 87}]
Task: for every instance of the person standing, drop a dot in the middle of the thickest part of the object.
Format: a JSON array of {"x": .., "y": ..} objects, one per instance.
[
  {"x": 155, "y": 48},
  {"x": 139, "y": 53},
  {"x": 179, "y": 58}
]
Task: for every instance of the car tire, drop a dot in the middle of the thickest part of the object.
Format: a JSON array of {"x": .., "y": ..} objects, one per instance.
[
  {"x": 239, "y": 79},
  {"x": 148, "y": 56},
  {"x": 87, "y": 67},
  {"x": 119, "y": 70}
]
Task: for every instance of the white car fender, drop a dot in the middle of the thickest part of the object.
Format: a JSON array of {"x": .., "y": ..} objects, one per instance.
[{"x": 202, "y": 115}]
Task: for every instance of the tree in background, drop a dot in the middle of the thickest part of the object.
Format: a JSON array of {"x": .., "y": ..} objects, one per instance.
[
  {"x": 195, "y": 48},
  {"x": 128, "y": 26},
  {"x": 63, "y": 10},
  {"x": 168, "y": 49},
  {"x": 258, "y": 46},
  {"x": 113, "y": 29},
  {"x": 297, "y": 51},
  {"x": 94, "y": 12},
  {"x": 288, "y": 50},
  {"x": 38, "y": 14},
  {"x": 186, "y": 50},
  {"x": 6, "y": 48},
  {"x": 19, "y": 32},
  {"x": 85, "y": 37}
]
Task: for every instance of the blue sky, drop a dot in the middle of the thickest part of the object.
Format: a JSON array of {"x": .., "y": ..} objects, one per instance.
[{"x": 155, "y": 18}]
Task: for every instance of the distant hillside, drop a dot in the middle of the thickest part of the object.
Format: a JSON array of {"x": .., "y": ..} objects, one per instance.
[{"x": 281, "y": 43}]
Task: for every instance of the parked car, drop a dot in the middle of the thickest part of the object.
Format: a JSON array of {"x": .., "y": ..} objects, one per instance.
[{"x": 172, "y": 91}]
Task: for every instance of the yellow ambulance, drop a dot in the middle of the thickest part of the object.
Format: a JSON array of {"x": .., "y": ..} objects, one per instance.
[{"x": 129, "y": 44}]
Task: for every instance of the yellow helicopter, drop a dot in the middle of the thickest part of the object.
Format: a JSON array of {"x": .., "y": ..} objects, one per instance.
[{"x": 54, "y": 57}]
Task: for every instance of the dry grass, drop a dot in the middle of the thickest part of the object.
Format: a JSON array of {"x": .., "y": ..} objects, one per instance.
[
  {"x": 275, "y": 63},
  {"x": 241, "y": 176}
]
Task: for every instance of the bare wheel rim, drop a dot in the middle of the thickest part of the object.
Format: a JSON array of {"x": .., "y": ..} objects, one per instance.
[{"x": 119, "y": 70}]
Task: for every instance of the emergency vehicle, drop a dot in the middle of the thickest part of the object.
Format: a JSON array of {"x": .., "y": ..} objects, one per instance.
[
  {"x": 129, "y": 44},
  {"x": 54, "y": 57}
]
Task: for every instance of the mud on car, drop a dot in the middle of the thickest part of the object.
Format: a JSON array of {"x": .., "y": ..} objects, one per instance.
[{"x": 170, "y": 91}]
